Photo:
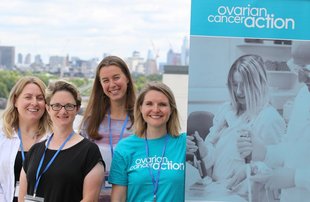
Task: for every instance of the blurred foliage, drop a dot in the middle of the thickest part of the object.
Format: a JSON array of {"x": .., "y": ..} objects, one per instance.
[
  {"x": 3, "y": 90},
  {"x": 7, "y": 81},
  {"x": 140, "y": 80},
  {"x": 8, "y": 78}
]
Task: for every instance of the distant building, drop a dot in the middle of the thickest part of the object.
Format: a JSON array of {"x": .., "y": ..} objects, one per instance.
[
  {"x": 170, "y": 56},
  {"x": 135, "y": 63},
  {"x": 20, "y": 58},
  {"x": 56, "y": 63},
  {"x": 7, "y": 57},
  {"x": 185, "y": 52},
  {"x": 150, "y": 64},
  {"x": 28, "y": 59},
  {"x": 38, "y": 60},
  {"x": 82, "y": 68},
  {"x": 173, "y": 58},
  {"x": 161, "y": 66}
]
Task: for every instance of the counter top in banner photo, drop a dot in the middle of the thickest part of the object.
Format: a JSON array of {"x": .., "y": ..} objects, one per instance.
[{"x": 249, "y": 101}]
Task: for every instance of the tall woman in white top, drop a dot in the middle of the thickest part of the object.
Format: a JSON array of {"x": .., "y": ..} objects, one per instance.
[{"x": 25, "y": 122}]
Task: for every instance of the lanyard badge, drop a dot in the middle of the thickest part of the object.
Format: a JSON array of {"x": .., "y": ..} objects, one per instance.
[
  {"x": 110, "y": 131},
  {"x": 38, "y": 176},
  {"x": 155, "y": 182},
  {"x": 29, "y": 198},
  {"x": 21, "y": 144}
]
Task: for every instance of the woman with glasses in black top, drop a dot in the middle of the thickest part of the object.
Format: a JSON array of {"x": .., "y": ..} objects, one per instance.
[{"x": 67, "y": 166}]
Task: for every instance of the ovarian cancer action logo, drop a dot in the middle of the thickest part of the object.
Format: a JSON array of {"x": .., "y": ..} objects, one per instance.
[
  {"x": 157, "y": 162},
  {"x": 251, "y": 17}
]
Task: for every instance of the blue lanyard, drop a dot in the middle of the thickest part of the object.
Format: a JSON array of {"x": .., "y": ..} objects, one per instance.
[
  {"x": 155, "y": 182},
  {"x": 110, "y": 131},
  {"x": 21, "y": 144},
  {"x": 38, "y": 177}
]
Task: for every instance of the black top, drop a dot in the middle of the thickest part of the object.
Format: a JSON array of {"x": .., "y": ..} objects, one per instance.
[
  {"x": 17, "y": 168},
  {"x": 63, "y": 181}
]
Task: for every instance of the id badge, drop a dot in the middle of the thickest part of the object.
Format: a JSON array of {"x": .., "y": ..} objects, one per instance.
[
  {"x": 16, "y": 189},
  {"x": 106, "y": 181},
  {"x": 30, "y": 198},
  {"x": 107, "y": 184}
]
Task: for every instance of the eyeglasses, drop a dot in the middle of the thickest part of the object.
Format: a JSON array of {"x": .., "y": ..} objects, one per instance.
[{"x": 58, "y": 107}]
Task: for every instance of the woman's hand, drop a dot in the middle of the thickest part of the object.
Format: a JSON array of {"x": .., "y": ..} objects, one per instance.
[
  {"x": 191, "y": 146},
  {"x": 244, "y": 143},
  {"x": 193, "y": 143},
  {"x": 281, "y": 178},
  {"x": 236, "y": 177}
]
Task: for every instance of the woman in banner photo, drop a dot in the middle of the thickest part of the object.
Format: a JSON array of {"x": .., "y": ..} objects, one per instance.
[
  {"x": 247, "y": 114},
  {"x": 25, "y": 122},
  {"x": 289, "y": 159},
  {"x": 149, "y": 165},
  {"x": 67, "y": 166},
  {"x": 109, "y": 114}
]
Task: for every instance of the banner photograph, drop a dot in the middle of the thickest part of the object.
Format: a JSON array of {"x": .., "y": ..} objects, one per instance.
[{"x": 248, "y": 118}]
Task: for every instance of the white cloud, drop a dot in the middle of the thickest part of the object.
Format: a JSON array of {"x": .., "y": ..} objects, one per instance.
[{"x": 90, "y": 28}]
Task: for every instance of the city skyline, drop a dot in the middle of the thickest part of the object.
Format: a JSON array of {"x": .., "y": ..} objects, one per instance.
[
  {"x": 29, "y": 58},
  {"x": 74, "y": 66},
  {"x": 90, "y": 29}
]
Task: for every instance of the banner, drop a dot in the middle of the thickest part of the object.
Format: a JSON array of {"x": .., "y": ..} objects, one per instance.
[{"x": 249, "y": 101}]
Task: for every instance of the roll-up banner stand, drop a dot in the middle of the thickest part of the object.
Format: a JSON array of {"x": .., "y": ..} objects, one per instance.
[{"x": 249, "y": 101}]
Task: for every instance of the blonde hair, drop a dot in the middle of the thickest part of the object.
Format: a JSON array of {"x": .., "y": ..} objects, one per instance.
[
  {"x": 254, "y": 76},
  {"x": 173, "y": 124},
  {"x": 11, "y": 116}
]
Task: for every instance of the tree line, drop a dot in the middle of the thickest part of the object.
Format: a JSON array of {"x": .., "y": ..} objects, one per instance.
[{"x": 8, "y": 78}]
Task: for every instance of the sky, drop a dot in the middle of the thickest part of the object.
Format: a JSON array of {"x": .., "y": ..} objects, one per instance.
[{"x": 89, "y": 28}]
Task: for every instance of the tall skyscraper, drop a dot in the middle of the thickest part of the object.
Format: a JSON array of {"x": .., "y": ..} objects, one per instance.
[
  {"x": 28, "y": 59},
  {"x": 56, "y": 64},
  {"x": 7, "y": 57},
  {"x": 135, "y": 62},
  {"x": 170, "y": 57},
  {"x": 20, "y": 58},
  {"x": 185, "y": 52},
  {"x": 150, "y": 64},
  {"x": 37, "y": 59},
  {"x": 173, "y": 58}
]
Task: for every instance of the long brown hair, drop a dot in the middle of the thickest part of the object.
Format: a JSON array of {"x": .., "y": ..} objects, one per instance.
[{"x": 99, "y": 102}]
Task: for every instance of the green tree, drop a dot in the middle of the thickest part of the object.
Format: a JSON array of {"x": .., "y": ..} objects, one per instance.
[
  {"x": 78, "y": 82},
  {"x": 9, "y": 78},
  {"x": 45, "y": 77},
  {"x": 3, "y": 90},
  {"x": 140, "y": 79}
]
